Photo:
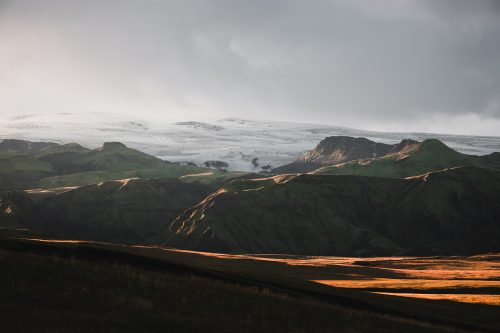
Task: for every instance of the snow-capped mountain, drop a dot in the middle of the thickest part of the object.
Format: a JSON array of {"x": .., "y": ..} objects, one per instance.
[{"x": 247, "y": 145}]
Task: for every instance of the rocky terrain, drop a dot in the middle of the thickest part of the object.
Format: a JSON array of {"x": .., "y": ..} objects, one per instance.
[{"x": 340, "y": 149}]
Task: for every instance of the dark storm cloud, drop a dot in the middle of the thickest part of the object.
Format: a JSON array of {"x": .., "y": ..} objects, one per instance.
[{"x": 345, "y": 62}]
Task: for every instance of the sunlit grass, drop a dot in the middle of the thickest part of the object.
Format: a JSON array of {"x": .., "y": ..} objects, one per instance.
[
  {"x": 463, "y": 298},
  {"x": 473, "y": 279},
  {"x": 420, "y": 284}
]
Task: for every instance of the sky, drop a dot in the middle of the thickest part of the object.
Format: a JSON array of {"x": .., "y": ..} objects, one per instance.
[{"x": 389, "y": 65}]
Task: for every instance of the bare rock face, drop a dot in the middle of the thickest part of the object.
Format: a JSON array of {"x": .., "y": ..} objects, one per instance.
[{"x": 340, "y": 149}]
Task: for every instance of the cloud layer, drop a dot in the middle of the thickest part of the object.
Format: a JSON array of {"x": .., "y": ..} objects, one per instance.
[{"x": 428, "y": 65}]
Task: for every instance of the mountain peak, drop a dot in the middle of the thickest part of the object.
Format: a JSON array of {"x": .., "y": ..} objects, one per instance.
[
  {"x": 433, "y": 143},
  {"x": 113, "y": 146},
  {"x": 341, "y": 149},
  {"x": 435, "y": 146}
]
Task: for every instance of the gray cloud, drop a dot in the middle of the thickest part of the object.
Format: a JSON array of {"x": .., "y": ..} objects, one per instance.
[{"x": 389, "y": 64}]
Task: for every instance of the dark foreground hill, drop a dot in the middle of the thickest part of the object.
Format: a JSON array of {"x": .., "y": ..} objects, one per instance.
[
  {"x": 455, "y": 211},
  {"x": 49, "y": 286},
  {"x": 124, "y": 211},
  {"x": 340, "y": 149}
]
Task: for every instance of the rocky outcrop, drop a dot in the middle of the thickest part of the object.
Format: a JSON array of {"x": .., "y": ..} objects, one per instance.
[{"x": 340, "y": 149}]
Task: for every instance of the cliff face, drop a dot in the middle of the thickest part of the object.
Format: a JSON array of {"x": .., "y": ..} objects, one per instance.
[{"x": 340, "y": 149}]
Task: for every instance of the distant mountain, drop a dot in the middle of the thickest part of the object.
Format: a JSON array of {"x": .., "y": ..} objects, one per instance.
[
  {"x": 456, "y": 211},
  {"x": 23, "y": 146},
  {"x": 124, "y": 211},
  {"x": 25, "y": 164},
  {"x": 413, "y": 159},
  {"x": 112, "y": 156},
  {"x": 340, "y": 149},
  {"x": 237, "y": 142}
]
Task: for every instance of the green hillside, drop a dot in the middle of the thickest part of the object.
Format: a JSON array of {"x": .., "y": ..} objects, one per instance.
[
  {"x": 22, "y": 171},
  {"x": 430, "y": 155},
  {"x": 112, "y": 156},
  {"x": 126, "y": 211},
  {"x": 93, "y": 177},
  {"x": 451, "y": 212},
  {"x": 25, "y": 164}
]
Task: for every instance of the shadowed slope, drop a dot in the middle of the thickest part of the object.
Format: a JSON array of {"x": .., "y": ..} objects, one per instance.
[
  {"x": 450, "y": 212},
  {"x": 130, "y": 210}
]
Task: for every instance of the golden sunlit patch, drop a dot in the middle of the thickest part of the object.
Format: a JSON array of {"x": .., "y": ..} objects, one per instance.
[
  {"x": 463, "y": 298},
  {"x": 473, "y": 279},
  {"x": 69, "y": 241},
  {"x": 124, "y": 182},
  {"x": 198, "y": 174},
  {"x": 420, "y": 284},
  {"x": 278, "y": 179}
]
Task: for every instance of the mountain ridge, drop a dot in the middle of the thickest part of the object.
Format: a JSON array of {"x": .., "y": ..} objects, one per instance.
[
  {"x": 25, "y": 164},
  {"x": 340, "y": 149},
  {"x": 415, "y": 159},
  {"x": 121, "y": 211},
  {"x": 447, "y": 212}
]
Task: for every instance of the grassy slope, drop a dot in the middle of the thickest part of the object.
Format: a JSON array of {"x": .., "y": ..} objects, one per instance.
[
  {"x": 118, "y": 298},
  {"x": 128, "y": 211},
  {"x": 430, "y": 155},
  {"x": 112, "y": 156},
  {"x": 448, "y": 212},
  {"x": 73, "y": 165},
  {"x": 22, "y": 164},
  {"x": 66, "y": 290},
  {"x": 20, "y": 170},
  {"x": 92, "y": 177}
]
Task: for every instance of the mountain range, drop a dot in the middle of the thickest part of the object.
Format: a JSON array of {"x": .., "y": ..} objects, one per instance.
[
  {"x": 358, "y": 198},
  {"x": 25, "y": 165},
  {"x": 360, "y": 156},
  {"x": 244, "y": 144}
]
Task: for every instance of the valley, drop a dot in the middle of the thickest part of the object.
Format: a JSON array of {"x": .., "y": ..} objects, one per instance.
[
  {"x": 354, "y": 235},
  {"x": 249, "y": 166}
]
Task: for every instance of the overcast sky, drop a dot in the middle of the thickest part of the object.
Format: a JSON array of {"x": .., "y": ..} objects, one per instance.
[{"x": 428, "y": 65}]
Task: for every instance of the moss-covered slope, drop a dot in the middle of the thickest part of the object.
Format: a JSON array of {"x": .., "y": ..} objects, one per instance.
[
  {"x": 25, "y": 164},
  {"x": 128, "y": 211},
  {"x": 450, "y": 212},
  {"x": 430, "y": 155}
]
